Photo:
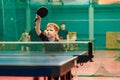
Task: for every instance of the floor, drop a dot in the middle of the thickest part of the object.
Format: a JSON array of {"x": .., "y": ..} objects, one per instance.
[{"x": 104, "y": 67}]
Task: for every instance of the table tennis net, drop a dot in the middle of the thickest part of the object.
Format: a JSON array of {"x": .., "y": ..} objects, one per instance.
[{"x": 47, "y": 46}]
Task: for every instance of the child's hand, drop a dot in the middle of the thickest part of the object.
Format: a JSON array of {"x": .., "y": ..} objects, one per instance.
[{"x": 37, "y": 18}]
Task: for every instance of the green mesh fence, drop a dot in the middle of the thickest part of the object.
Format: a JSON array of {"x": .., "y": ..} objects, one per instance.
[{"x": 13, "y": 19}]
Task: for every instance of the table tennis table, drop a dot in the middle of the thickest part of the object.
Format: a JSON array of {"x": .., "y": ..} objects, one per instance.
[{"x": 36, "y": 63}]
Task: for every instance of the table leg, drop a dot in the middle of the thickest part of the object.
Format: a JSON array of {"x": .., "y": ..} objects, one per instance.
[
  {"x": 63, "y": 77},
  {"x": 45, "y": 78},
  {"x": 36, "y": 78},
  {"x": 49, "y": 78},
  {"x": 56, "y": 78},
  {"x": 69, "y": 76}
]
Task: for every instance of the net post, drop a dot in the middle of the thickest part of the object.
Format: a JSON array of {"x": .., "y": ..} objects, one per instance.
[{"x": 90, "y": 49}]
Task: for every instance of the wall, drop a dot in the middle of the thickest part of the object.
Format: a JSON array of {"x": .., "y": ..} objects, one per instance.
[
  {"x": 106, "y": 19},
  {"x": 13, "y": 19}
]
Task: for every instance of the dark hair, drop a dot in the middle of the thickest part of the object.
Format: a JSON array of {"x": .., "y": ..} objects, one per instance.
[{"x": 62, "y": 23}]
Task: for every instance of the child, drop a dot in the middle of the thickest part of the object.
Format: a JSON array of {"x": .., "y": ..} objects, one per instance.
[
  {"x": 25, "y": 37},
  {"x": 51, "y": 31},
  {"x": 63, "y": 32},
  {"x": 50, "y": 34}
]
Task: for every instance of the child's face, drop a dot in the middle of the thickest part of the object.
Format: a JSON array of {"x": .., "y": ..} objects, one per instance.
[
  {"x": 63, "y": 26},
  {"x": 50, "y": 32}
]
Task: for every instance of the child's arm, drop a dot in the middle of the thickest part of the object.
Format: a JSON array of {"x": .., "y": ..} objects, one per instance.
[
  {"x": 37, "y": 24},
  {"x": 21, "y": 38}
]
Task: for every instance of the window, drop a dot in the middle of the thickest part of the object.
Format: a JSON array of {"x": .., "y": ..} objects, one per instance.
[{"x": 107, "y": 1}]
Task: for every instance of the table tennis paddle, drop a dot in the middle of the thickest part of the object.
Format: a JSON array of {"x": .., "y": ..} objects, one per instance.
[{"x": 42, "y": 12}]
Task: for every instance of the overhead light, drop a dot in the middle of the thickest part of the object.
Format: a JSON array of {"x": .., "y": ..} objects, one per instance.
[{"x": 56, "y": 2}]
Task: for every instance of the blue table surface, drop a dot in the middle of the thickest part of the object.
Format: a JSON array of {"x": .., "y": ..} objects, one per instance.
[{"x": 36, "y": 58}]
